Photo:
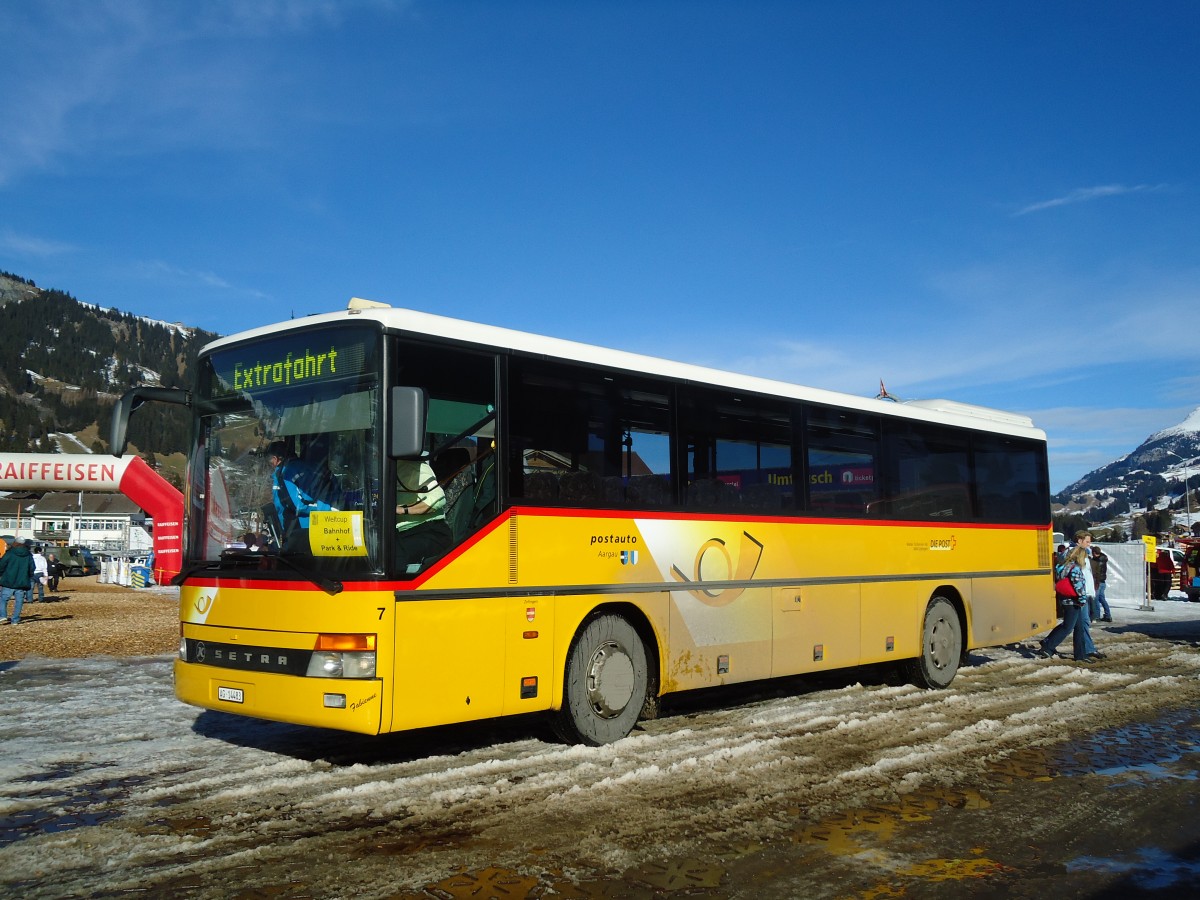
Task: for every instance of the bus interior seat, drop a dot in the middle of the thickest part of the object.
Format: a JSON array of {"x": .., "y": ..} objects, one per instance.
[
  {"x": 580, "y": 487},
  {"x": 541, "y": 486},
  {"x": 710, "y": 493},
  {"x": 648, "y": 490},
  {"x": 452, "y": 468},
  {"x": 320, "y": 481},
  {"x": 485, "y": 492},
  {"x": 763, "y": 496},
  {"x": 449, "y": 463}
]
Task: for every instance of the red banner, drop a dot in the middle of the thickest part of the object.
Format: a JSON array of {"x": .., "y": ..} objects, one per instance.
[{"x": 129, "y": 475}]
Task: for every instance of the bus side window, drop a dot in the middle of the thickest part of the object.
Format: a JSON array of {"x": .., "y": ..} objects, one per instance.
[
  {"x": 928, "y": 473},
  {"x": 1013, "y": 473},
  {"x": 842, "y": 460},
  {"x": 582, "y": 438},
  {"x": 739, "y": 451}
]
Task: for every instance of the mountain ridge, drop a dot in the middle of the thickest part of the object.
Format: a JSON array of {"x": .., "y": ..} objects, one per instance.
[{"x": 64, "y": 362}]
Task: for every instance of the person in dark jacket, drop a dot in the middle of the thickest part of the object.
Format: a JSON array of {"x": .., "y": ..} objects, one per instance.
[
  {"x": 54, "y": 571},
  {"x": 1100, "y": 610},
  {"x": 16, "y": 575}
]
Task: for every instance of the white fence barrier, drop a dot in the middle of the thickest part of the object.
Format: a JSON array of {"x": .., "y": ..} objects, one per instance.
[{"x": 1126, "y": 582}]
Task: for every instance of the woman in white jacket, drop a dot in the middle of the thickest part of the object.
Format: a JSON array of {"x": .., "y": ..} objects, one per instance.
[{"x": 39, "y": 575}]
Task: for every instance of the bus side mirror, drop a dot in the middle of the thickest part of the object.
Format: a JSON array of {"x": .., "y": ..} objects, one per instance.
[
  {"x": 133, "y": 398},
  {"x": 408, "y": 423}
]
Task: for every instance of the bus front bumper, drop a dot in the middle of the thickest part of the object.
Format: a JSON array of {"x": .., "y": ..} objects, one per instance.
[{"x": 345, "y": 704}]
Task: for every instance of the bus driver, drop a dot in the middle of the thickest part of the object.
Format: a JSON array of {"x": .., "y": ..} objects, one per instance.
[{"x": 421, "y": 529}]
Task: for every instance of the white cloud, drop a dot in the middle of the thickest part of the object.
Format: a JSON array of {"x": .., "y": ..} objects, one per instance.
[
  {"x": 163, "y": 272},
  {"x": 1083, "y": 195},
  {"x": 22, "y": 245}
]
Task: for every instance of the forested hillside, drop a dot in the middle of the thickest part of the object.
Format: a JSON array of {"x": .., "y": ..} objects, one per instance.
[{"x": 63, "y": 363}]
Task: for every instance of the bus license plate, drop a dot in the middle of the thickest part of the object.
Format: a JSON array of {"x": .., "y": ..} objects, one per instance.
[{"x": 232, "y": 695}]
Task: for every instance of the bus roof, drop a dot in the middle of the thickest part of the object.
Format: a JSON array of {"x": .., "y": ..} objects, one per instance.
[{"x": 493, "y": 337}]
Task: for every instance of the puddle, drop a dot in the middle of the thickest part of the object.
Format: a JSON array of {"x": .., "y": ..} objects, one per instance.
[
  {"x": 64, "y": 807},
  {"x": 1150, "y": 869},
  {"x": 1142, "y": 747}
]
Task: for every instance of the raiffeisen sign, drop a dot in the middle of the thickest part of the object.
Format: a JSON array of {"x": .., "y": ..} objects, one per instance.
[{"x": 128, "y": 475}]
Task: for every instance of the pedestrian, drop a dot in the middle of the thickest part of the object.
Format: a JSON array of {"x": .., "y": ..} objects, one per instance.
[
  {"x": 39, "y": 576},
  {"x": 1160, "y": 578},
  {"x": 1075, "y": 565},
  {"x": 54, "y": 571},
  {"x": 16, "y": 574},
  {"x": 1100, "y": 610}
]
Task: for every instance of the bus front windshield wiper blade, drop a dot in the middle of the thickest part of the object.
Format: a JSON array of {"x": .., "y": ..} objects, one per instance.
[
  {"x": 188, "y": 571},
  {"x": 330, "y": 586},
  {"x": 237, "y": 558}
]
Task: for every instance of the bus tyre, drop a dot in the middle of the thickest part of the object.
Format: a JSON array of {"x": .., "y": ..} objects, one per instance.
[
  {"x": 606, "y": 683},
  {"x": 941, "y": 646}
]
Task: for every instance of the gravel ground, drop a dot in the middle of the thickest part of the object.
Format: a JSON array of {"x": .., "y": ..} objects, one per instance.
[{"x": 87, "y": 618}]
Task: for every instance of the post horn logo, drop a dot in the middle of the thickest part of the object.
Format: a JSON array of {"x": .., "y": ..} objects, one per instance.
[{"x": 714, "y": 566}]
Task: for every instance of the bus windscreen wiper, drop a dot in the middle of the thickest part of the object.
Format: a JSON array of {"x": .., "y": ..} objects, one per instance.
[{"x": 328, "y": 585}]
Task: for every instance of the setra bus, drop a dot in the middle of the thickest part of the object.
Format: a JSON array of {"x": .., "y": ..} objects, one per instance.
[{"x": 614, "y": 528}]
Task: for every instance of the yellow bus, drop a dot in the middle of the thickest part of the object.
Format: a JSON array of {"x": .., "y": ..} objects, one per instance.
[{"x": 611, "y": 528}]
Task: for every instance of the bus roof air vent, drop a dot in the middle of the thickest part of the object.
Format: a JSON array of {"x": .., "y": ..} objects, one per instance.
[{"x": 359, "y": 303}]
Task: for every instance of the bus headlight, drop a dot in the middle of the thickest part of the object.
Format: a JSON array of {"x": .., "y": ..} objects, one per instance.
[
  {"x": 343, "y": 656},
  {"x": 342, "y": 664}
]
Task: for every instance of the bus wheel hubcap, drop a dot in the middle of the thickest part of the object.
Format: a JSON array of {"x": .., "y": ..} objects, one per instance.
[
  {"x": 609, "y": 680},
  {"x": 939, "y": 644}
]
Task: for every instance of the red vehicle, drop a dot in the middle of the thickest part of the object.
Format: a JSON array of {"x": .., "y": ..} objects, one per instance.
[{"x": 1189, "y": 571}]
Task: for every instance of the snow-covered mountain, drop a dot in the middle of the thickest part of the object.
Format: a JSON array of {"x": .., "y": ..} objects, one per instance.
[{"x": 1150, "y": 477}]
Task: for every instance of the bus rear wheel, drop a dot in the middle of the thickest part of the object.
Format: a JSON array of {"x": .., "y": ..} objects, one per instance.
[
  {"x": 606, "y": 683},
  {"x": 941, "y": 646}
]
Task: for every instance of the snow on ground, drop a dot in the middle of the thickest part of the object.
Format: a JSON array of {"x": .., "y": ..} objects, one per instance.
[{"x": 107, "y": 783}]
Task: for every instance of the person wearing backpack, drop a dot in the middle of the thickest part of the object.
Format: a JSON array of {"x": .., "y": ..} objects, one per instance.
[{"x": 1075, "y": 566}]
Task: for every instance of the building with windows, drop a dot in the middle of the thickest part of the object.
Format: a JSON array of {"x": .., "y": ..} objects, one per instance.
[
  {"x": 96, "y": 521},
  {"x": 16, "y": 516}
]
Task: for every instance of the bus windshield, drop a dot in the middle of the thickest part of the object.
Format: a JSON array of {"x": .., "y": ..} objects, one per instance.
[{"x": 287, "y": 459}]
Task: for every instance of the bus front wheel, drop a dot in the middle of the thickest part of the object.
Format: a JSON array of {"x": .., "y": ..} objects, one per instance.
[
  {"x": 606, "y": 683},
  {"x": 941, "y": 645}
]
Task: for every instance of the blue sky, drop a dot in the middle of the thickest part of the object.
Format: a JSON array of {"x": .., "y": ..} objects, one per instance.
[{"x": 997, "y": 203}]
